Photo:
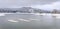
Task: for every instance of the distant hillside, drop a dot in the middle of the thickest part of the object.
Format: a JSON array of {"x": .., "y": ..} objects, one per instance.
[{"x": 23, "y": 10}]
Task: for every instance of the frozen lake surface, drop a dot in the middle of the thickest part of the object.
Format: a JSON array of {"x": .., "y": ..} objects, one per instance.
[{"x": 29, "y": 21}]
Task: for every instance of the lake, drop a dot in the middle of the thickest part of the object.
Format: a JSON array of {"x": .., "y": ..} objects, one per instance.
[{"x": 29, "y": 21}]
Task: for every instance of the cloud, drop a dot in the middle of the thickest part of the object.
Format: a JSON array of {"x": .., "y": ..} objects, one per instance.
[
  {"x": 54, "y": 5},
  {"x": 43, "y": 1},
  {"x": 21, "y": 3}
]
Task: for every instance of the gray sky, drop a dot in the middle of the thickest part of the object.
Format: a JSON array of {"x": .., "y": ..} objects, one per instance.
[{"x": 42, "y": 4}]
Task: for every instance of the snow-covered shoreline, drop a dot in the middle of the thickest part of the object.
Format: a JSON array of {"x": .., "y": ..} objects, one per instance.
[
  {"x": 3, "y": 14},
  {"x": 57, "y": 15}
]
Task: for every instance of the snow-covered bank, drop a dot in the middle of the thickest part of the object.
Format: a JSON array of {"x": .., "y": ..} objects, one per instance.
[
  {"x": 56, "y": 15},
  {"x": 3, "y": 14}
]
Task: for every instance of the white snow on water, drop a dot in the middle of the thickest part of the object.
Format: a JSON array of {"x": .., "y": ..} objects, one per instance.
[
  {"x": 24, "y": 20},
  {"x": 12, "y": 21}
]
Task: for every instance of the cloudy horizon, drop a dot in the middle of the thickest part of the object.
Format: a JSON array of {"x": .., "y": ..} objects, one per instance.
[{"x": 41, "y": 4}]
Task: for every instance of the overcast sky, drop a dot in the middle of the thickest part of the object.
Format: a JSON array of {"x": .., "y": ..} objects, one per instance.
[{"x": 42, "y": 4}]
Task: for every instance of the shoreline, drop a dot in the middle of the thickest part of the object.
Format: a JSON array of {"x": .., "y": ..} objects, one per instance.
[{"x": 33, "y": 14}]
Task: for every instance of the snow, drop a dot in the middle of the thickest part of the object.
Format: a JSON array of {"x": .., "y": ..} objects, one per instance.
[
  {"x": 56, "y": 15},
  {"x": 12, "y": 21},
  {"x": 3, "y": 14},
  {"x": 24, "y": 20}
]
